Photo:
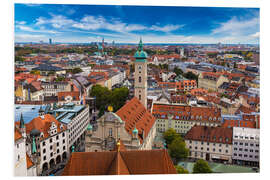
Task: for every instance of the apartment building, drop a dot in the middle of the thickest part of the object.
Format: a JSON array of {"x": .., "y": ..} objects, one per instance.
[
  {"x": 211, "y": 80},
  {"x": 76, "y": 118},
  {"x": 210, "y": 143},
  {"x": 183, "y": 117},
  {"x": 246, "y": 146}
]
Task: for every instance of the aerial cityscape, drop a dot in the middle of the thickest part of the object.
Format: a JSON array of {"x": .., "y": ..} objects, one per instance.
[{"x": 126, "y": 90}]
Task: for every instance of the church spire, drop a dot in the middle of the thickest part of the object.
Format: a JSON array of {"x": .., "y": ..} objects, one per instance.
[
  {"x": 140, "y": 48},
  {"x": 21, "y": 122}
]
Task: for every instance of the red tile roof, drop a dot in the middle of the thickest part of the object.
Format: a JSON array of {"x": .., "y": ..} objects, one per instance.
[
  {"x": 133, "y": 112},
  {"x": 210, "y": 134},
  {"x": 29, "y": 161},
  {"x": 17, "y": 134},
  {"x": 191, "y": 113},
  {"x": 74, "y": 94},
  {"x": 43, "y": 125},
  {"x": 119, "y": 163}
]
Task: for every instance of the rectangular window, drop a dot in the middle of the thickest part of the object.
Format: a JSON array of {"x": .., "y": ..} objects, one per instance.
[{"x": 110, "y": 132}]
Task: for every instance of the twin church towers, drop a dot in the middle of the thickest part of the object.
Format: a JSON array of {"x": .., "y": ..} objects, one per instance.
[{"x": 141, "y": 74}]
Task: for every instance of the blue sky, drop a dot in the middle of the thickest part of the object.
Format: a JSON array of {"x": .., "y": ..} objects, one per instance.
[{"x": 126, "y": 24}]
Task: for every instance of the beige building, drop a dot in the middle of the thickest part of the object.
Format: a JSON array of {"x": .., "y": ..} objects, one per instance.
[
  {"x": 183, "y": 117},
  {"x": 210, "y": 143},
  {"x": 211, "y": 80},
  {"x": 132, "y": 124}
]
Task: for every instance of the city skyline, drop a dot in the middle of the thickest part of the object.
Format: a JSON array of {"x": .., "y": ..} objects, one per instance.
[{"x": 125, "y": 24}]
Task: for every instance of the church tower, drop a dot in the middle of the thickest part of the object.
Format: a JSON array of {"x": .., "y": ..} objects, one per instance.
[{"x": 141, "y": 75}]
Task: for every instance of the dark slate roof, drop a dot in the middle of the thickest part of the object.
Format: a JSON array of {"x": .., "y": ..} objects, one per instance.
[{"x": 45, "y": 67}]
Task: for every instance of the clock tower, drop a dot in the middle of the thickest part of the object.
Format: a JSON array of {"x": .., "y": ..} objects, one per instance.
[{"x": 141, "y": 75}]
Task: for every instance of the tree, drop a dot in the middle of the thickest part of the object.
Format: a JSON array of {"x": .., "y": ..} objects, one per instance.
[
  {"x": 181, "y": 170},
  {"x": 201, "y": 166},
  {"x": 178, "y": 150},
  {"x": 19, "y": 58},
  {"x": 119, "y": 97},
  {"x": 178, "y": 71},
  {"x": 170, "y": 135},
  {"x": 37, "y": 72},
  {"x": 59, "y": 79},
  {"x": 234, "y": 65},
  {"x": 76, "y": 70},
  {"x": 105, "y": 97}
]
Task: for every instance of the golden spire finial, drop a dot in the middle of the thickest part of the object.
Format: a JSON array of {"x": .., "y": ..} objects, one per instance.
[
  {"x": 118, "y": 145},
  {"x": 110, "y": 108}
]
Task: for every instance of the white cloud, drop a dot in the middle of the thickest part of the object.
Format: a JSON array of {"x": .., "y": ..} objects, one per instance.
[
  {"x": 238, "y": 27},
  {"x": 30, "y": 38},
  {"x": 29, "y": 29},
  {"x": 20, "y": 22},
  {"x": 57, "y": 21},
  {"x": 256, "y": 35},
  {"x": 99, "y": 22}
]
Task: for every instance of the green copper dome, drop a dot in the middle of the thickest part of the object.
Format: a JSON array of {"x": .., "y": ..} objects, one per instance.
[
  {"x": 89, "y": 127},
  {"x": 140, "y": 54},
  {"x": 135, "y": 130}
]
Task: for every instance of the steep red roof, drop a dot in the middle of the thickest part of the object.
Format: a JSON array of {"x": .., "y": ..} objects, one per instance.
[
  {"x": 119, "y": 163},
  {"x": 17, "y": 134},
  {"x": 210, "y": 134},
  {"x": 29, "y": 161},
  {"x": 133, "y": 112},
  {"x": 43, "y": 125}
]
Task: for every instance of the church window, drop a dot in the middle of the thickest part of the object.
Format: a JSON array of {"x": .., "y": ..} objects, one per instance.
[{"x": 140, "y": 79}]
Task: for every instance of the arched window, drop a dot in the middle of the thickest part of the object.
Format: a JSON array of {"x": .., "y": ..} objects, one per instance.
[{"x": 140, "y": 79}]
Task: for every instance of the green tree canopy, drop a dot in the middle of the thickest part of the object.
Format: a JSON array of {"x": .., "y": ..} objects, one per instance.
[
  {"x": 178, "y": 71},
  {"x": 181, "y": 170},
  {"x": 170, "y": 135},
  {"x": 19, "y": 58},
  {"x": 37, "y": 72},
  {"x": 201, "y": 166},
  {"x": 106, "y": 97},
  {"x": 119, "y": 97},
  {"x": 178, "y": 150}
]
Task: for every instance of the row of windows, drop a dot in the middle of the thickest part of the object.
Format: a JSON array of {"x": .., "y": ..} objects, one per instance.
[
  {"x": 207, "y": 149},
  {"x": 51, "y": 154},
  {"x": 246, "y": 144},
  {"x": 246, "y": 150},
  {"x": 202, "y": 142},
  {"x": 51, "y": 139},
  {"x": 247, "y": 138},
  {"x": 245, "y": 155}
]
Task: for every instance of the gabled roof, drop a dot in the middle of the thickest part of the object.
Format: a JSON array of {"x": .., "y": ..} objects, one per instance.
[
  {"x": 210, "y": 134},
  {"x": 119, "y": 163},
  {"x": 133, "y": 112},
  {"x": 43, "y": 125}
]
